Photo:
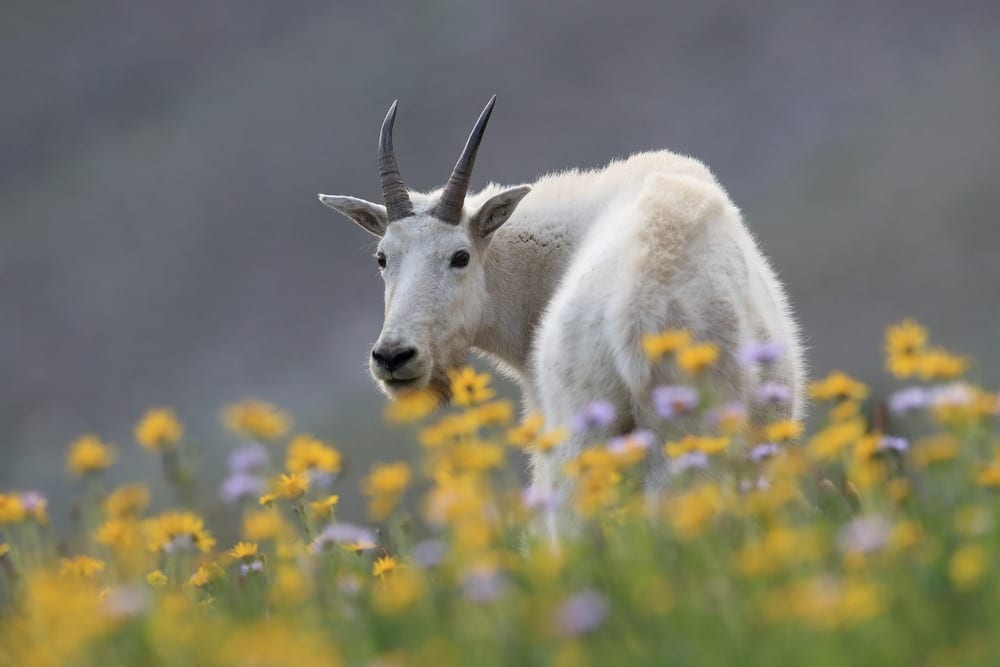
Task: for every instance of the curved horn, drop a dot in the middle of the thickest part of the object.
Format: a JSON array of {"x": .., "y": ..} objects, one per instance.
[
  {"x": 449, "y": 207},
  {"x": 397, "y": 200}
]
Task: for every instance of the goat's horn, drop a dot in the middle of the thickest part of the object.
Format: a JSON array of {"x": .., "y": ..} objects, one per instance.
[
  {"x": 397, "y": 200},
  {"x": 449, "y": 207}
]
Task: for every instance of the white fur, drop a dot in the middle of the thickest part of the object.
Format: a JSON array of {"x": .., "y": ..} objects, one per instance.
[{"x": 561, "y": 295}]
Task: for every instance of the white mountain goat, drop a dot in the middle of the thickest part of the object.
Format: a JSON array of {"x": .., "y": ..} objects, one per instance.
[{"x": 558, "y": 281}]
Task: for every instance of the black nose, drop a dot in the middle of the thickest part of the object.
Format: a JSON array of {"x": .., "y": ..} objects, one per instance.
[{"x": 393, "y": 359}]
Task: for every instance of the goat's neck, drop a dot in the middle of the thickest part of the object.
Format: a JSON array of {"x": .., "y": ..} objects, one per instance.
[{"x": 525, "y": 263}]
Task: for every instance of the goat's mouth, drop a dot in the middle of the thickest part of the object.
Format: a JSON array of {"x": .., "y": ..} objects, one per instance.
[
  {"x": 402, "y": 384},
  {"x": 435, "y": 383}
]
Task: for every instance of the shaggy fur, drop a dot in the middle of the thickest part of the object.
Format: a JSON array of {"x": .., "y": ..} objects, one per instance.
[{"x": 564, "y": 281}]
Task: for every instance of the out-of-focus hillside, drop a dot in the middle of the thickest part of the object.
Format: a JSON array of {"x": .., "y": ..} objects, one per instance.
[{"x": 161, "y": 242}]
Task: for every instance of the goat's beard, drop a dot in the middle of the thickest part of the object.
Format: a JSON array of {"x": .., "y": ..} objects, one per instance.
[{"x": 440, "y": 386}]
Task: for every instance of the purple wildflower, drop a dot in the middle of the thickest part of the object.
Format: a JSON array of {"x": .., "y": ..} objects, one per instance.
[
  {"x": 581, "y": 614},
  {"x": 598, "y": 414},
  {"x": 319, "y": 479},
  {"x": 688, "y": 461},
  {"x": 909, "y": 400},
  {"x": 251, "y": 457},
  {"x": 429, "y": 553},
  {"x": 240, "y": 486},
  {"x": 541, "y": 498},
  {"x": 865, "y": 535},
  {"x": 671, "y": 401},
  {"x": 484, "y": 584},
  {"x": 759, "y": 484},
  {"x": 641, "y": 438},
  {"x": 32, "y": 500},
  {"x": 727, "y": 414},
  {"x": 891, "y": 443},
  {"x": 763, "y": 451},
  {"x": 344, "y": 533},
  {"x": 956, "y": 394},
  {"x": 124, "y": 602},
  {"x": 761, "y": 352},
  {"x": 774, "y": 392},
  {"x": 247, "y": 568}
]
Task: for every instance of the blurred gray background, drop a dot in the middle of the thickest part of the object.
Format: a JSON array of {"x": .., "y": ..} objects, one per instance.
[{"x": 161, "y": 242}]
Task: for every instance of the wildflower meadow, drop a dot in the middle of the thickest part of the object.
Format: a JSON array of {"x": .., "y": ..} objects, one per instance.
[{"x": 872, "y": 540}]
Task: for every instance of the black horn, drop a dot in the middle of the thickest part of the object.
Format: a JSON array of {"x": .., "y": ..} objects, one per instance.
[
  {"x": 449, "y": 207},
  {"x": 397, "y": 200}
]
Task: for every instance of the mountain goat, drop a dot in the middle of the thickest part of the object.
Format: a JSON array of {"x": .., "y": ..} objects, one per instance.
[{"x": 558, "y": 281}]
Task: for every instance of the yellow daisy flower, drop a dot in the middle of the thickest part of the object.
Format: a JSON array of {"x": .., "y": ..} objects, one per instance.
[
  {"x": 468, "y": 387},
  {"x": 88, "y": 454},
  {"x": 159, "y": 430}
]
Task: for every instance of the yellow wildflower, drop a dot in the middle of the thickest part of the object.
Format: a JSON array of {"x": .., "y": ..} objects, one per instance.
[
  {"x": 156, "y": 578},
  {"x": 781, "y": 547},
  {"x": 832, "y": 440},
  {"x": 547, "y": 441},
  {"x": 290, "y": 587},
  {"x": 383, "y": 565},
  {"x": 292, "y": 486},
  {"x": 596, "y": 488},
  {"x": 903, "y": 366},
  {"x": 905, "y": 344},
  {"x": 844, "y": 411},
  {"x": 906, "y": 338},
  {"x": 11, "y": 508},
  {"x": 88, "y": 454},
  {"x": 4, "y": 549},
  {"x": 244, "y": 550},
  {"x": 827, "y": 603},
  {"x": 411, "y": 406},
  {"x": 525, "y": 433},
  {"x": 768, "y": 500},
  {"x": 939, "y": 364},
  {"x": 905, "y": 535},
  {"x": 267, "y": 499},
  {"x": 469, "y": 387},
  {"x": 263, "y": 525},
  {"x": 782, "y": 431},
  {"x": 394, "y": 595},
  {"x": 450, "y": 428},
  {"x": 118, "y": 533},
  {"x": 324, "y": 506},
  {"x": 384, "y": 486},
  {"x": 666, "y": 342},
  {"x": 973, "y": 520},
  {"x": 935, "y": 449},
  {"x": 256, "y": 419},
  {"x": 159, "y": 430},
  {"x": 204, "y": 575},
  {"x": 306, "y": 453},
  {"x": 696, "y": 443},
  {"x": 838, "y": 386},
  {"x": 477, "y": 456},
  {"x": 496, "y": 413},
  {"x": 691, "y": 511},
  {"x": 694, "y": 359},
  {"x": 967, "y": 566},
  {"x": 128, "y": 500},
  {"x": 173, "y": 531},
  {"x": 387, "y": 478},
  {"x": 990, "y": 475},
  {"x": 81, "y": 566}
]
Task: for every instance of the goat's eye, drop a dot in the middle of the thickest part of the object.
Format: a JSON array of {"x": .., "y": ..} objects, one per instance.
[
  {"x": 460, "y": 259},
  {"x": 380, "y": 258}
]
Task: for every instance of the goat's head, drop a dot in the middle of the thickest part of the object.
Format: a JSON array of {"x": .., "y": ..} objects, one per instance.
[{"x": 432, "y": 256}]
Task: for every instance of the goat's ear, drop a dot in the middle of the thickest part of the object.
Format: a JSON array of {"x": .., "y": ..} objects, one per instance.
[
  {"x": 371, "y": 217},
  {"x": 496, "y": 210}
]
